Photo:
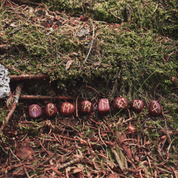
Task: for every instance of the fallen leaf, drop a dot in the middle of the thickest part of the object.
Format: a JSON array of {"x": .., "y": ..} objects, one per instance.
[
  {"x": 104, "y": 134},
  {"x": 24, "y": 150},
  {"x": 10, "y": 100},
  {"x": 121, "y": 137},
  {"x": 120, "y": 158},
  {"x": 76, "y": 170},
  {"x": 73, "y": 54},
  {"x": 113, "y": 175},
  {"x": 68, "y": 64},
  {"x": 95, "y": 64},
  {"x": 174, "y": 79}
]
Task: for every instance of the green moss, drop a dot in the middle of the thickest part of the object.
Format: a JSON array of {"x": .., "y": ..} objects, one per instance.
[
  {"x": 3, "y": 112},
  {"x": 127, "y": 48}
]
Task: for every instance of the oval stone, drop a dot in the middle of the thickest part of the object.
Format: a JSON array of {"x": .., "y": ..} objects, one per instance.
[
  {"x": 103, "y": 106},
  {"x": 50, "y": 110},
  {"x": 137, "y": 105},
  {"x": 34, "y": 111},
  {"x": 120, "y": 103},
  {"x": 67, "y": 109},
  {"x": 155, "y": 108},
  {"x": 86, "y": 107}
]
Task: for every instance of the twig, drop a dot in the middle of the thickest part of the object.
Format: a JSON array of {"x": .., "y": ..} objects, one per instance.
[
  {"x": 91, "y": 44},
  {"x": 26, "y": 76},
  {"x": 15, "y": 31},
  {"x": 117, "y": 16},
  {"x": 13, "y": 68},
  {"x": 80, "y": 157},
  {"x": 26, "y": 172},
  {"x": 39, "y": 97},
  {"x": 101, "y": 138},
  {"x": 154, "y": 10},
  {"x": 92, "y": 89},
  {"x": 166, "y": 130},
  {"x": 169, "y": 147},
  {"x": 17, "y": 95},
  {"x": 128, "y": 120},
  {"x": 76, "y": 106}
]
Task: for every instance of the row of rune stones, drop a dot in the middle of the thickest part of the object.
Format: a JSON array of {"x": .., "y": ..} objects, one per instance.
[{"x": 86, "y": 107}]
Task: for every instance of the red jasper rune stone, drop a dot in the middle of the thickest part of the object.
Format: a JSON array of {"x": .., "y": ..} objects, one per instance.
[
  {"x": 120, "y": 103},
  {"x": 137, "y": 105},
  {"x": 34, "y": 111},
  {"x": 50, "y": 110},
  {"x": 86, "y": 107},
  {"x": 67, "y": 109},
  {"x": 155, "y": 108},
  {"x": 103, "y": 106}
]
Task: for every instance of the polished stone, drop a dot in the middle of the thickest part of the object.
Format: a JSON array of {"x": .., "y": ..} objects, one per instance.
[
  {"x": 137, "y": 105},
  {"x": 50, "y": 110},
  {"x": 103, "y": 106},
  {"x": 67, "y": 109},
  {"x": 34, "y": 111},
  {"x": 86, "y": 107},
  {"x": 155, "y": 108}
]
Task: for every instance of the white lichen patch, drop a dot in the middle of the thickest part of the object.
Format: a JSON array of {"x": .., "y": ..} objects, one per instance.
[{"x": 4, "y": 82}]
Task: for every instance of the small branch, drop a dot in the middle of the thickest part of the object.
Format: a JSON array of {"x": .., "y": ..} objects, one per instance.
[
  {"x": 92, "y": 89},
  {"x": 39, "y": 97},
  {"x": 76, "y": 109},
  {"x": 101, "y": 138},
  {"x": 17, "y": 95},
  {"x": 91, "y": 44},
  {"x": 154, "y": 10},
  {"x": 74, "y": 161},
  {"x": 26, "y": 76},
  {"x": 117, "y": 17}
]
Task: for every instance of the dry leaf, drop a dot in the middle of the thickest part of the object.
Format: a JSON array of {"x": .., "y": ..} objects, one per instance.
[
  {"x": 24, "y": 150},
  {"x": 80, "y": 175},
  {"x": 73, "y": 169},
  {"x": 120, "y": 158},
  {"x": 68, "y": 64},
  {"x": 113, "y": 175},
  {"x": 10, "y": 100},
  {"x": 76, "y": 170},
  {"x": 73, "y": 54},
  {"x": 95, "y": 64},
  {"x": 174, "y": 79},
  {"x": 121, "y": 137},
  {"x": 104, "y": 134}
]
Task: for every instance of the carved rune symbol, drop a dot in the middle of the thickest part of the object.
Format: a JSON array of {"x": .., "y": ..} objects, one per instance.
[
  {"x": 50, "y": 109},
  {"x": 137, "y": 104},
  {"x": 120, "y": 103},
  {"x": 66, "y": 107},
  {"x": 105, "y": 104},
  {"x": 35, "y": 108},
  {"x": 155, "y": 107},
  {"x": 87, "y": 106}
]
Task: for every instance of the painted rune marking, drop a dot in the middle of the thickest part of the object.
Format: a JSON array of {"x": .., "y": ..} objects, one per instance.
[
  {"x": 35, "y": 108},
  {"x": 137, "y": 104},
  {"x": 155, "y": 107},
  {"x": 87, "y": 106},
  {"x": 120, "y": 102},
  {"x": 66, "y": 105},
  {"x": 105, "y": 104},
  {"x": 50, "y": 109}
]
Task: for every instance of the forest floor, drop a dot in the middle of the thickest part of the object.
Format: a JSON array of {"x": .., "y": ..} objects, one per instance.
[{"x": 88, "y": 50}]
